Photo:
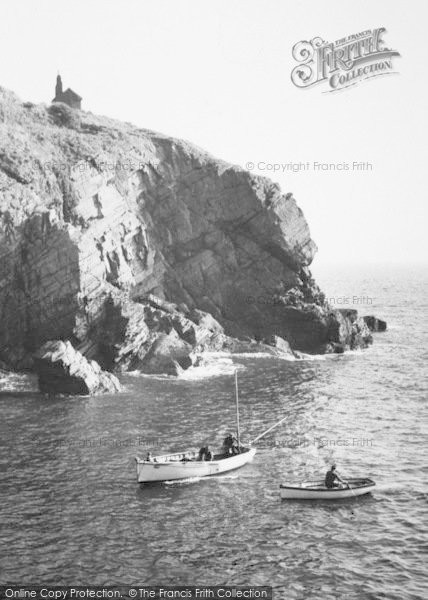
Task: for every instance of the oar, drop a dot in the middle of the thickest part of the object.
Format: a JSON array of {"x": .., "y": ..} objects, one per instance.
[
  {"x": 350, "y": 488},
  {"x": 267, "y": 431}
]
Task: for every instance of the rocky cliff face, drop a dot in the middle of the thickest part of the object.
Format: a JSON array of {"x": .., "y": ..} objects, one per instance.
[{"x": 143, "y": 250}]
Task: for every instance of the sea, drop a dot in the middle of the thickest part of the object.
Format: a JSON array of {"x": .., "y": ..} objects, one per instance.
[{"x": 72, "y": 513}]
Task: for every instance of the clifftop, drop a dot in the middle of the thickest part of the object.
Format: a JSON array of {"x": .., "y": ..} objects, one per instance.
[{"x": 114, "y": 237}]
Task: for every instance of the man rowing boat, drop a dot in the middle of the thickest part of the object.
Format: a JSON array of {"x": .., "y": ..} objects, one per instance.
[{"x": 332, "y": 479}]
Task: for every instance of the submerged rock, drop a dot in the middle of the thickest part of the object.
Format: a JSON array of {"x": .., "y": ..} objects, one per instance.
[{"x": 63, "y": 370}]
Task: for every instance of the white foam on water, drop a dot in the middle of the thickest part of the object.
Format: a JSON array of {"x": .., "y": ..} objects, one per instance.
[
  {"x": 265, "y": 355},
  {"x": 182, "y": 481},
  {"x": 356, "y": 352},
  {"x": 13, "y": 382},
  {"x": 221, "y": 477},
  {"x": 211, "y": 367},
  {"x": 313, "y": 357},
  {"x": 216, "y": 364},
  {"x": 197, "y": 479},
  {"x": 160, "y": 376},
  {"x": 301, "y": 355}
]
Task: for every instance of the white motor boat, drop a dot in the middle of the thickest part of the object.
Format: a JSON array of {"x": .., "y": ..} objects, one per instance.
[
  {"x": 188, "y": 465},
  {"x": 185, "y": 465}
]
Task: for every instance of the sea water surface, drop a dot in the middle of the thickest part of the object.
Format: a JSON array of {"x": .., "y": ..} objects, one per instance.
[{"x": 72, "y": 513}]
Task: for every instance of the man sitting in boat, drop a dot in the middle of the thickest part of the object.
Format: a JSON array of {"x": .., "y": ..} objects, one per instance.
[
  {"x": 230, "y": 445},
  {"x": 205, "y": 453},
  {"x": 332, "y": 479}
]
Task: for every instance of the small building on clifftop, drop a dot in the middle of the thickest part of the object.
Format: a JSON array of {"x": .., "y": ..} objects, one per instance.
[{"x": 68, "y": 97}]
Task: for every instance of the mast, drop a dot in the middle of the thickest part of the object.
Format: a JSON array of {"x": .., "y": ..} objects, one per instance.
[{"x": 238, "y": 439}]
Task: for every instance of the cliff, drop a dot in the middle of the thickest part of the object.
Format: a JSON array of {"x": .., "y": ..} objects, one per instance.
[{"x": 144, "y": 250}]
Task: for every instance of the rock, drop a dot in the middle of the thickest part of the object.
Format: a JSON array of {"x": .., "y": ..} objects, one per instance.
[
  {"x": 333, "y": 348},
  {"x": 124, "y": 332},
  {"x": 3, "y": 366},
  {"x": 278, "y": 342},
  {"x": 169, "y": 354},
  {"x": 183, "y": 308},
  {"x": 360, "y": 335},
  {"x": 349, "y": 332},
  {"x": 134, "y": 244},
  {"x": 375, "y": 324},
  {"x": 63, "y": 370},
  {"x": 156, "y": 302},
  {"x": 349, "y": 313},
  {"x": 153, "y": 337},
  {"x": 275, "y": 346}
]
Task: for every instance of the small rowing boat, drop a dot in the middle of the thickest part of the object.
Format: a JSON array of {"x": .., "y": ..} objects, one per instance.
[
  {"x": 316, "y": 490},
  {"x": 185, "y": 465}
]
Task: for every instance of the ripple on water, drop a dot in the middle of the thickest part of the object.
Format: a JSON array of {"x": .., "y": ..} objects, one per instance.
[{"x": 71, "y": 511}]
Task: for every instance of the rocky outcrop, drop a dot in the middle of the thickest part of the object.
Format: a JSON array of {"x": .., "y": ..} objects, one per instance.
[
  {"x": 347, "y": 331},
  {"x": 374, "y": 324},
  {"x": 143, "y": 250},
  {"x": 63, "y": 370}
]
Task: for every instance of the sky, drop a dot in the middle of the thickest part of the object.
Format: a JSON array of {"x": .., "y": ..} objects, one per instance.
[{"x": 217, "y": 73}]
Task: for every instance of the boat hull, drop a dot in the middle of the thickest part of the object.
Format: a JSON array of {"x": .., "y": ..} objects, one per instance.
[
  {"x": 317, "y": 490},
  {"x": 160, "y": 469}
]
